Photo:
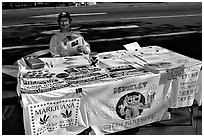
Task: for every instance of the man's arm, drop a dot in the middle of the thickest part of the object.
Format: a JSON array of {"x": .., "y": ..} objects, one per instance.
[
  {"x": 87, "y": 49},
  {"x": 54, "y": 50}
]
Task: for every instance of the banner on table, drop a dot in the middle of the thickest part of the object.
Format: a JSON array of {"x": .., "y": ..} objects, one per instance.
[
  {"x": 184, "y": 87},
  {"x": 198, "y": 90},
  {"x": 49, "y": 116},
  {"x": 126, "y": 104},
  {"x": 57, "y": 112},
  {"x": 160, "y": 114}
]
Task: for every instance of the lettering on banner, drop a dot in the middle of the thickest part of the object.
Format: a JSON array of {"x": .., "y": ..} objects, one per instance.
[
  {"x": 151, "y": 93},
  {"x": 49, "y": 116},
  {"x": 130, "y": 87},
  {"x": 127, "y": 124},
  {"x": 187, "y": 85}
]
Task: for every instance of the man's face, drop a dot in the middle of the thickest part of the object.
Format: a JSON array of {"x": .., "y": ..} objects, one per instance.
[{"x": 64, "y": 23}]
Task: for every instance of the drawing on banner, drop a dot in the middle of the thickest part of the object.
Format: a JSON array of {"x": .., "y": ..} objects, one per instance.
[
  {"x": 151, "y": 93},
  {"x": 130, "y": 105},
  {"x": 44, "y": 120},
  {"x": 67, "y": 114}
]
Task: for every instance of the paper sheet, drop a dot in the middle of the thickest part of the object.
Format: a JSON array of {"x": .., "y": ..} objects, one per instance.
[{"x": 132, "y": 46}]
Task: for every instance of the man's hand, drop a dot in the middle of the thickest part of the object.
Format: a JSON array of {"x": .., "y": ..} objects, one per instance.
[{"x": 81, "y": 48}]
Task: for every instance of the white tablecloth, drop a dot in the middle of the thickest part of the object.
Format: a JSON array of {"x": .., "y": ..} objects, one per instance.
[{"x": 116, "y": 95}]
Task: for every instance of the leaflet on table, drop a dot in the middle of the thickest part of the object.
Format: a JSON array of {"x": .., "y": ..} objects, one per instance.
[
  {"x": 118, "y": 68},
  {"x": 170, "y": 54},
  {"x": 169, "y": 69},
  {"x": 114, "y": 62},
  {"x": 153, "y": 50},
  {"x": 119, "y": 58},
  {"x": 150, "y": 54},
  {"x": 109, "y": 55},
  {"x": 121, "y": 74},
  {"x": 149, "y": 58},
  {"x": 66, "y": 61},
  {"x": 174, "y": 57},
  {"x": 132, "y": 46},
  {"x": 112, "y": 58},
  {"x": 130, "y": 57},
  {"x": 184, "y": 60}
]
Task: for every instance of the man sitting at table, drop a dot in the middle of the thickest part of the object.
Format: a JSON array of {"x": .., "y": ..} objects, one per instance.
[{"x": 66, "y": 42}]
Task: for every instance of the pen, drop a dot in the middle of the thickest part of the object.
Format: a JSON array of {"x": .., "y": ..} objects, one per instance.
[
  {"x": 47, "y": 64},
  {"x": 51, "y": 64}
]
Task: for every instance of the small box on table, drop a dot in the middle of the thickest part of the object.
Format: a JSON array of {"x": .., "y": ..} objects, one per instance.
[{"x": 34, "y": 62}]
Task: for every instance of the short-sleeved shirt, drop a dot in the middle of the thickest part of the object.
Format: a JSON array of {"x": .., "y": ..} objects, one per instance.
[{"x": 65, "y": 44}]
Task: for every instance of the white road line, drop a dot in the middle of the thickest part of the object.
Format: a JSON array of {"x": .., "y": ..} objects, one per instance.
[
  {"x": 145, "y": 36},
  {"x": 51, "y": 15},
  {"x": 55, "y": 31},
  {"x": 113, "y": 39},
  {"x": 111, "y": 28},
  {"x": 153, "y": 17},
  {"x": 98, "y": 28},
  {"x": 72, "y": 15},
  {"x": 24, "y": 25},
  {"x": 50, "y": 32},
  {"x": 25, "y": 46}
]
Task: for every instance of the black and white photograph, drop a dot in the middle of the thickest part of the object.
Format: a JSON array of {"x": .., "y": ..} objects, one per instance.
[{"x": 101, "y": 68}]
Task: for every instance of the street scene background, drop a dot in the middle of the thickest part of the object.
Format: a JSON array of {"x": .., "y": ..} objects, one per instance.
[{"x": 176, "y": 26}]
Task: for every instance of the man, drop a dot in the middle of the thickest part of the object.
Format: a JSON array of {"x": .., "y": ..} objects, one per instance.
[{"x": 65, "y": 42}]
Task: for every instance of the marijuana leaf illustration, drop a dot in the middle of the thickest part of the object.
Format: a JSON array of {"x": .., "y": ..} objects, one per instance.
[
  {"x": 67, "y": 114},
  {"x": 44, "y": 120}
]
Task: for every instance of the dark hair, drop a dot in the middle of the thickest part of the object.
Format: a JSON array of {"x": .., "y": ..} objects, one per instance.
[{"x": 64, "y": 14}]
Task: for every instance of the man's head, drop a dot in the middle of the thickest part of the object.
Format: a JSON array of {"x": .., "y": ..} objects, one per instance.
[{"x": 64, "y": 20}]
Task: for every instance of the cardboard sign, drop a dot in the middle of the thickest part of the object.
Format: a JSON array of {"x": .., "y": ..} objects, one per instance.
[{"x": 175, "y": 72}]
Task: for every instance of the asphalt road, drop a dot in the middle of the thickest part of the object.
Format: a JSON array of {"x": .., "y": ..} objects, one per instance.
[
  {"x": 114, "y": 11},
  {"x": 175, "y": 26}
]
